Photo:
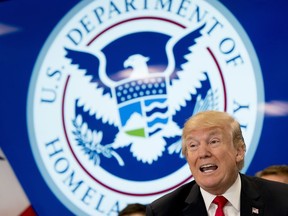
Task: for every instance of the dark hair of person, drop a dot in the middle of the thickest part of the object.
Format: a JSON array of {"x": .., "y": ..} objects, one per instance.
[
  {"x": 274, "y": 170},
  {"x": 133, "y": 208}
]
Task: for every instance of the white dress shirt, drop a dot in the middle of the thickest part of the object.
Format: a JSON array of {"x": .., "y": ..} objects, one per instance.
[{"x": 232, "y": 208}]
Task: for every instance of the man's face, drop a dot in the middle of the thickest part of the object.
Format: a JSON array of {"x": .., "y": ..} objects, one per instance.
[{"x": 212, "y": 158}]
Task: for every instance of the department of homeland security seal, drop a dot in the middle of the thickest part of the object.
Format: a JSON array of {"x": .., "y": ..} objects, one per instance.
[{"x": 115, "y": 82}]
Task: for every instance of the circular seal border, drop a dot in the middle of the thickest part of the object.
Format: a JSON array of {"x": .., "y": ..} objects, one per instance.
[{"x": 240, "y": 30}]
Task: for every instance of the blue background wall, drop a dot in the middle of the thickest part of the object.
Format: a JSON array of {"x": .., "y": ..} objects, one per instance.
[{"x": 264, "y": 21}]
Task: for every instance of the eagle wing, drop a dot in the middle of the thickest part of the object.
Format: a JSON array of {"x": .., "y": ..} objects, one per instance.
[
  {"x": 187, "y": 67},
  {"x": 93, "y": 95}
]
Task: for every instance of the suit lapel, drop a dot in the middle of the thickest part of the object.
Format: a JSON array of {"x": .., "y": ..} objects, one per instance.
[
  {"x": 250, "y": 201},
  {"x": 195, "y": 203}
]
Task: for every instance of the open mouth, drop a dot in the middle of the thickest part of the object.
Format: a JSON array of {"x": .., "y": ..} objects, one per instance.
[{"x": 208, "y": 168}]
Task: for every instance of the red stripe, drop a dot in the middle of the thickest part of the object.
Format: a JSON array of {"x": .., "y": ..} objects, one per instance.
[
  {"x": 29, "y": 211},
  {"x": 222, "y": 78}
]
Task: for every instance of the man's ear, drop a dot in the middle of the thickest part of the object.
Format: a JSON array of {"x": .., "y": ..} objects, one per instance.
[{"x": 240, "y": 153}]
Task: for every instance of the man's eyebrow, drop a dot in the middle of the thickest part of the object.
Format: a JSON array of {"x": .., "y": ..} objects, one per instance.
[
  {"x": 214, "y": 132},
  {"x": 216, "y": 129}
]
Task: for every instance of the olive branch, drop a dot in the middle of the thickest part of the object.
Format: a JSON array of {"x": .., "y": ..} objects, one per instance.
[{"x": 90, "y": 142}]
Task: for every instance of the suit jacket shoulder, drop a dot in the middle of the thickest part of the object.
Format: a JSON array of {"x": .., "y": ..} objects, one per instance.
[
  {"x": 186, "y": 200},
  {"x": 258, "y": 197},
  {"x": 263, "y": 197}
]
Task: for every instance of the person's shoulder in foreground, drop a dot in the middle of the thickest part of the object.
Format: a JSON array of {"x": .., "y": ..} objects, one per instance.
[{"x": 214, "y": 147}]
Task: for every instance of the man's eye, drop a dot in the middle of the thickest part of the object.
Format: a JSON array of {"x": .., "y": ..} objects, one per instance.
[
  {"x": 192, "y": 146},
  {"x": 214, "y": 141}
]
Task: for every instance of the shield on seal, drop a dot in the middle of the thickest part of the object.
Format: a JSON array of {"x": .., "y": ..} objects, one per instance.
[{"x": 143, "y": 106}]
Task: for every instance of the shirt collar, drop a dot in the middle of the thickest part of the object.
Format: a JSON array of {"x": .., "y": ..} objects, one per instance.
[{"x": 232, "y": 195}]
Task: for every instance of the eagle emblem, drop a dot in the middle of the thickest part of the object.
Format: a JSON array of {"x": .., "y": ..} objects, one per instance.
[{"x": 137, "y": 97}]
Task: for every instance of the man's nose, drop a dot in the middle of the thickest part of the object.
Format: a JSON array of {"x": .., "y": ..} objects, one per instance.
[{"x": 204, "y": 151}]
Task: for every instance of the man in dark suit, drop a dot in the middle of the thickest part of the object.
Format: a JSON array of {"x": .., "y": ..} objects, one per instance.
[{"x": 214, "y": 148}]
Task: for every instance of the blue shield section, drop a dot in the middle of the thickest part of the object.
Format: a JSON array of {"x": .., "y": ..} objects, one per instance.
[{"x": 147, "y": 98}]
